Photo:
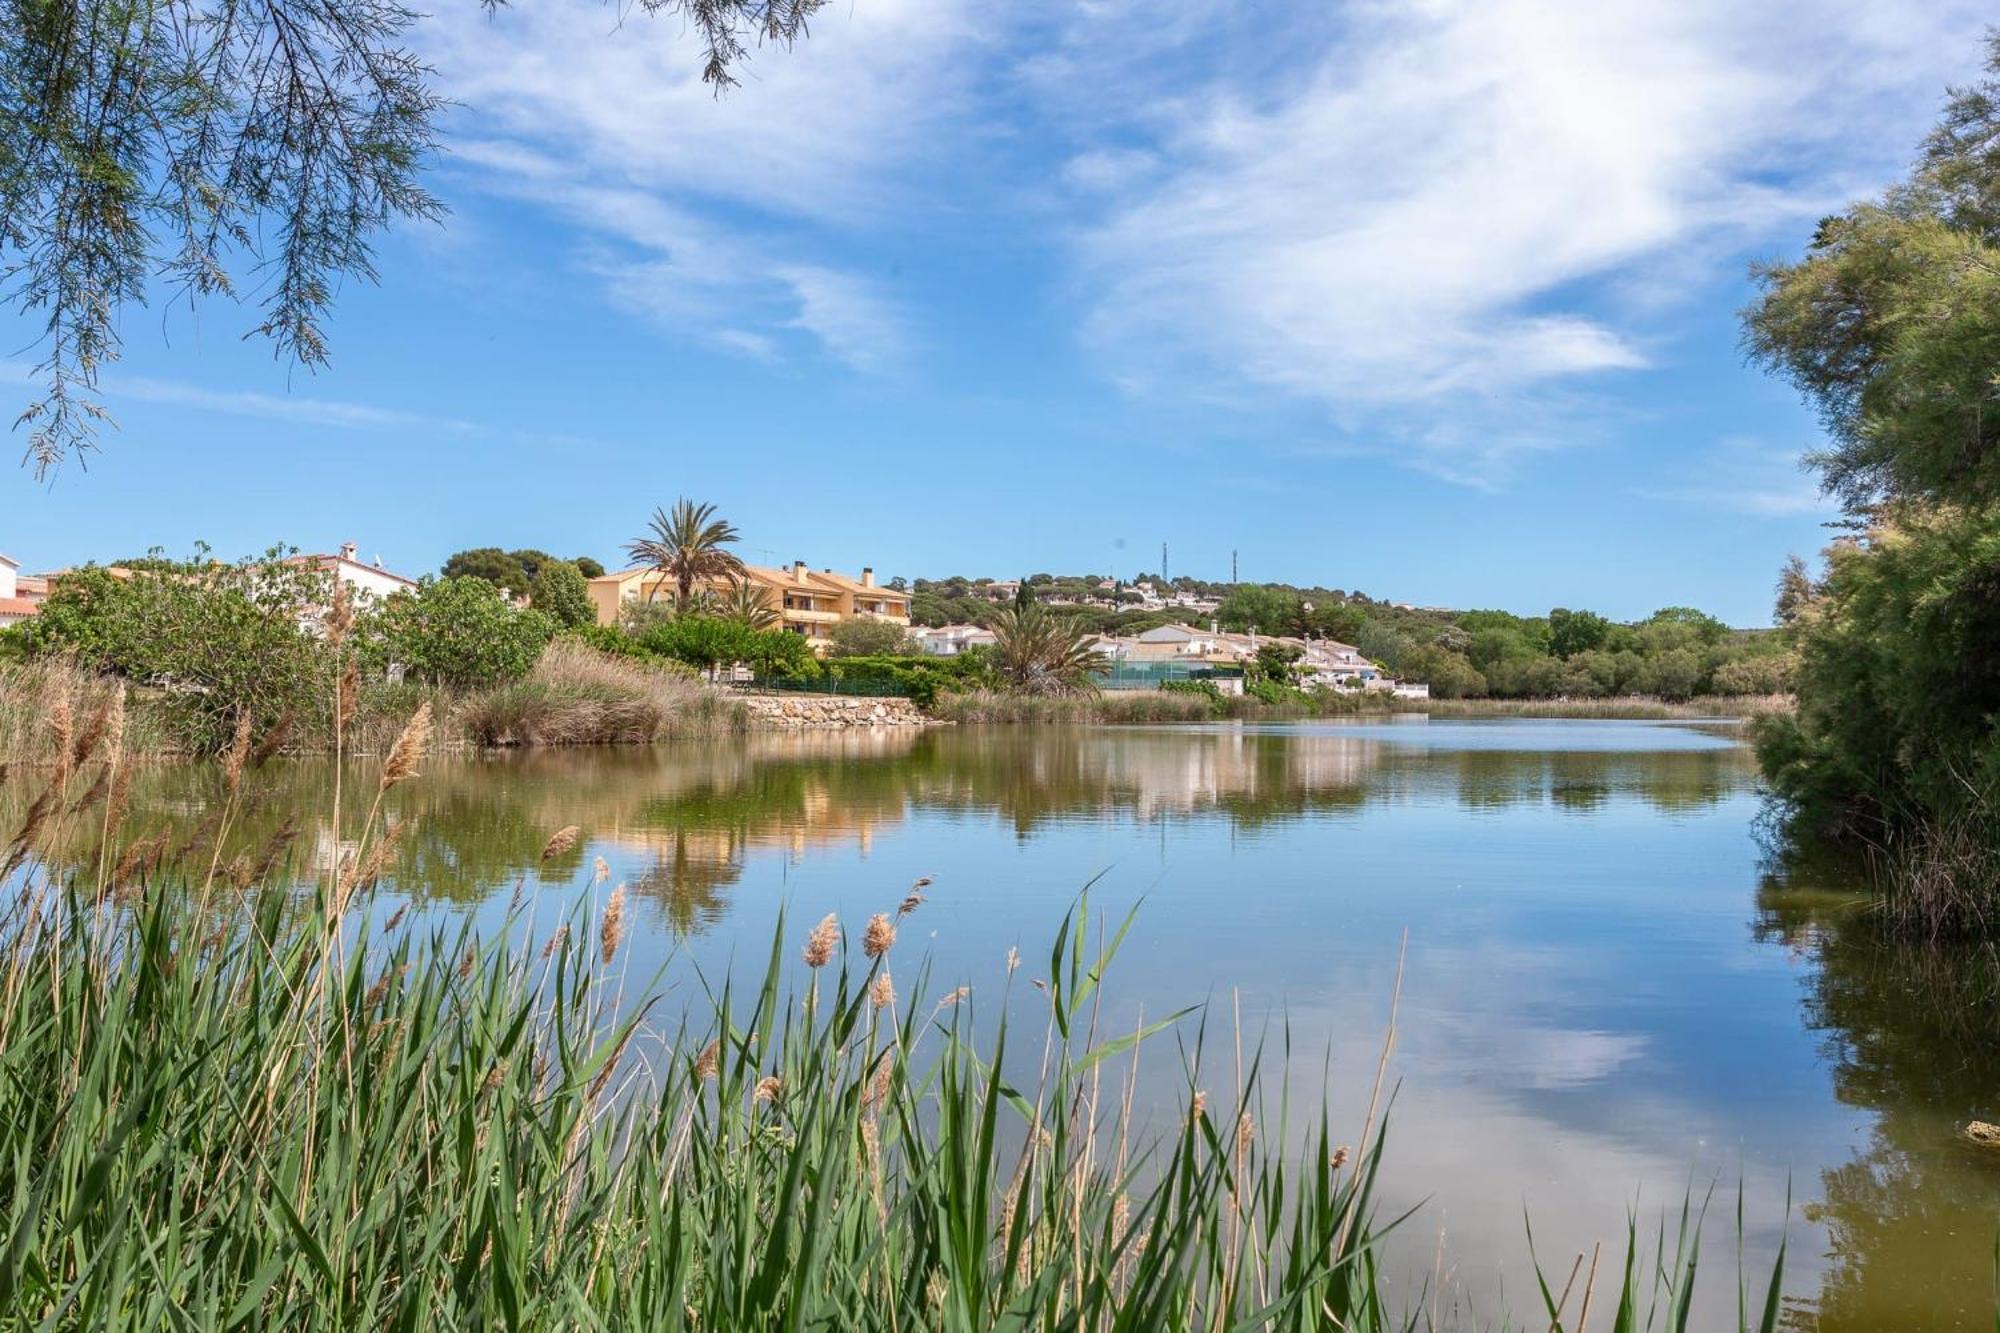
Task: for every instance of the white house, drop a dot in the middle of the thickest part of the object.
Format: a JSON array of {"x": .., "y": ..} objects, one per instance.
[
  {"x": 951, "y": 640},
  {"x": 14, "y": 608},
  {"x": 372, "y": 583}
]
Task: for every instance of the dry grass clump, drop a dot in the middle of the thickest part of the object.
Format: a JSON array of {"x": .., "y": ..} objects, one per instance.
[
  {"x": 49, "y": 706},
  {"x": 576, "y": 695}
]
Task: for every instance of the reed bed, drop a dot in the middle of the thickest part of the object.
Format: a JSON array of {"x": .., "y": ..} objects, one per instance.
[
  {"x": 1114, "y": 707},
  {"x": 576, "y": 695},
  {"x": 226, "y": 1104}
]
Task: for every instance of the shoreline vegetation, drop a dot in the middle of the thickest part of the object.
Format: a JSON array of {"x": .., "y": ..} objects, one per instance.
[
  {"x": 344, "y": 1116},
  {"x": 577, "y": 695}
]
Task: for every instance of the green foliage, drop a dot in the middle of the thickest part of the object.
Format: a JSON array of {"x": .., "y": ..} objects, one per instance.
[
  {"x": 1573, "y": 632},
  {"x": 1265, "y": 607},
  {"x": 1277, "y": 662},
  {"x": 458, "y": 633},
  {"x": 1899, "y": 707},
  {"x": 221, "y": 642},
  {"x": 863, "y": 637},
  {"x": 1038, "y": 652},
  {"x": 920, "y": 678},
  {"x": 1890, "y": 326},
  {"x": 588, "y": 567},
  {"x": 687, "y": 547},
  {"x": 714, "y": 642},
  {"x": 563, "y": 594}
]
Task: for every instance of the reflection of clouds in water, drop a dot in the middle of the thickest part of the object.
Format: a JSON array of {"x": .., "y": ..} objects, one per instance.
[{"x": 1542, "y": 1058}]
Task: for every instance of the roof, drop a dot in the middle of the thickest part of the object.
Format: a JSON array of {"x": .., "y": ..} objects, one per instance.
[
  {"x": 9, "y": 561},
  {"x": 18, "y": 606},
  {"x": 323, "y": 560},
  {"x": 862, "y": 589}
]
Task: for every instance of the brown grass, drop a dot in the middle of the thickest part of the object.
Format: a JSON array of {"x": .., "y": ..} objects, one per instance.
[{"x": 576, "y": 695}]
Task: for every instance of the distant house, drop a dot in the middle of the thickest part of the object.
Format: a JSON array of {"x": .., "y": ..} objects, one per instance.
[
  {"x": 14, "y": 608},
  {"x": 808, "y": 603},
  {"x": 372, "y": 582},
  {"x": 951, "y": 640}
]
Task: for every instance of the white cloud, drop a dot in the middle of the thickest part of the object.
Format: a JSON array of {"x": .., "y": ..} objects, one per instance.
[
  {"x": 1421, "y": 220},
  {"x": 713, "y": 215},
  {"x": 247, "y": 403},
  {"x": 280, "y": 407}
]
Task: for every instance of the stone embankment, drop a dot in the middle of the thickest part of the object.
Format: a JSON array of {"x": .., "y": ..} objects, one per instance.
[{"x": 816, "y": 712}]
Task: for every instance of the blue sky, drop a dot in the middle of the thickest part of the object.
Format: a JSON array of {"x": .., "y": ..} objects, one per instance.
[{"x": 1434, "y": 300}]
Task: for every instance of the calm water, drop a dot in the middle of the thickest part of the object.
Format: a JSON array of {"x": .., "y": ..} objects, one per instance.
[{"x": 1608, "y": 994}]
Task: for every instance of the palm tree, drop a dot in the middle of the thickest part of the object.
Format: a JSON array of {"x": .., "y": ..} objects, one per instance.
[
  {"x": 687, "y": 547},
  {"x": 1039, "y": 652},
  {"x": 743, "y": 601}
]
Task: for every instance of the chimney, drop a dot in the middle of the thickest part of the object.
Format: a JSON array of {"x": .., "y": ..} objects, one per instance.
[
  {"x": 347, "y": 550},
  {"x": 798, "y": 571},
  {"x": 867, "y": 577}
]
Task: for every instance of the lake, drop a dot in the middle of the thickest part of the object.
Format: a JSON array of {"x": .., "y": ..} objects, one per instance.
[{"x": 1610, "y": 994}]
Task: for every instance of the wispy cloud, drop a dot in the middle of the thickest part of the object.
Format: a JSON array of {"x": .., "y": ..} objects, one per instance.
[
  {"x": 281, "y": 407},
  {"x": 730, "y": 220},
  {"x": 270, "y": 406},
  {"x": 1422, "y": 225},
  {"x": 1748, "y": 476}
]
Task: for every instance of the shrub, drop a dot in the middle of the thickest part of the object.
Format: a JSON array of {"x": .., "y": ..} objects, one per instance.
[
  {"x": 455, "y": 632},
  {"x": 563, "y": 594},
  {"x": 220, "y": 642},
  {"x": 862, "y": 637}
]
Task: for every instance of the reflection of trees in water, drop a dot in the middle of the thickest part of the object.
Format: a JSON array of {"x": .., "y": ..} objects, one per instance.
[
  {"x": 472, "y": 825},
  {"x": 1912, "y": 1033},
  {"x": 687, "y": 877}
]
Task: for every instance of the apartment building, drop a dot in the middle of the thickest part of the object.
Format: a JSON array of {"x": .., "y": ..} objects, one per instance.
[{"x": 808, "y": 602}]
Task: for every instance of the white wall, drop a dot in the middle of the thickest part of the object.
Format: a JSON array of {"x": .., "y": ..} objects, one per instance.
[{"x": 9, "y": 587}]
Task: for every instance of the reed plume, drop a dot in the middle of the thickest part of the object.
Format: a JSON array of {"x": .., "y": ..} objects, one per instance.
[
  {"x": 409, "y": 748},
  {"x": 882, "y": 994},
  {"x": 914, "y": 898},
  {"x": 612, "y": 930},
  {"x": 820, "y": 944},
  {"x": 561, "y": 842},
  {"x": 769, "y": 1088},
  {"x": 880, "y": 936},
  {"x": 705, "y": 1063},
  {"x": 274, "y": 739},
  {"x": 239, "y": 753}
]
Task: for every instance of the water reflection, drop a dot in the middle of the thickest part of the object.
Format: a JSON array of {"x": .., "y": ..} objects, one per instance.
[
  {"x": 1912, "y": 1035},
  {"x": 700, "y": 813},
  {"x": 1586, "y": 1020}
]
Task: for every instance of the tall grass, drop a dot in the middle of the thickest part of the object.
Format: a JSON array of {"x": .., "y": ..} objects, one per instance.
[
  {"x": 39, "y": 698},
  {"x": 230, "y": 1106},
  {"x": 576, "y": 695},
  {"x": 1136, "y": 706}
]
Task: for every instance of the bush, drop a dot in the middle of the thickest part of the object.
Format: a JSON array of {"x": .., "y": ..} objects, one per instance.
[
  {"x": 563, "y": 594},
  {"x": 456, "y": 632},
  {"x": 862, "y": 637},
  {"x": 220, "y": 642}
]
